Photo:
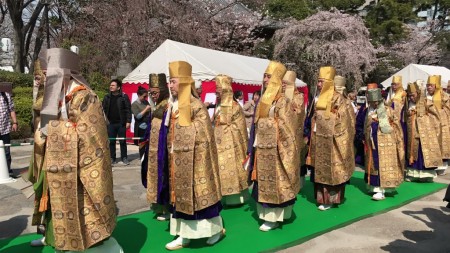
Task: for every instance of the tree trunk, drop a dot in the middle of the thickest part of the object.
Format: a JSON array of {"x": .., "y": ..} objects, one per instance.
[{"x": 19, "y": 65}]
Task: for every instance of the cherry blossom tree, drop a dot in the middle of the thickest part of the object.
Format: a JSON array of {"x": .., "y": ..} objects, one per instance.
[{"x": 327, "y": 38}]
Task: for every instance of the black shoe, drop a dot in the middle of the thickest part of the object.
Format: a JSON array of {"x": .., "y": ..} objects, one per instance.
[
  {"x": 125, "y": 161},
  {"x": 113, "y": 161}
]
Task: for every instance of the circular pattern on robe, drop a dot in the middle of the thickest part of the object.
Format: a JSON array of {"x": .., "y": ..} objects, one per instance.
[
  {"x": 185, "y": 149},
  {"x": 54, "y": 137},
  {"x": 58, "y": 215},
  {"x": 54, "y": 123},
  {"x": 60, "y": 145},
  {"x": 282, "y": 178},
  {"x": 93, "y": 129},
  {"x": 262, "y": 178},
  {"x": 95, "y": 235},
  {"x": 232, "y": 173},
  {"x": 70, "y": 215},
  {"x": 152, "y": 159},
  {"x": 68, "y": 184},
  {"x": 85, "y": 211},
  {"x": 202, "y": 116},
  {"x": 222, "y": 167},
  {"x": 67, "y": 168},
  {"x": 53, "y": 169},
  {"x": 291, "y": 195},
  {"x": 91, "y": 184},
  {"x": 87, "y": 160},
  {"x": 94, "y": 174},
  {"x": 177, "y": 162},
  {"x": 230, "y": 190},
  {"x": 92, "y": 98},
  {"x": 186, "y": 161},
  {"x": 82, "y": 127},
  {"x": 56, "y": 184},
  {"x": 204, "y": 202},
  {"x": 270, "y": 125},
  {"x": 262, "y": 188},
  {"x": 107, "y": 200},
  {"x": 318, "y": 117},
  {"x": 97, "y": 206},
  {"x": 205, "y": 192},
  {"x": 203, "y": 180},
  {"x": 177, "y": 126},
  {"x": 285, "y": 143},
  {"x": 218, "y": 141},
  {"x": 83, "y": 106},
  {"x": 74, "y": 243},
  {"x": 66, "y": 137},
  {"x": 93, "y": 119},
  {"x": 60, "y": 230},
  {"x": 99, "y": 152}
]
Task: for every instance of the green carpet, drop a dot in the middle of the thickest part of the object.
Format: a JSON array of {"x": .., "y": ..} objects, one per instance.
[{"x": 141, "y": 233}]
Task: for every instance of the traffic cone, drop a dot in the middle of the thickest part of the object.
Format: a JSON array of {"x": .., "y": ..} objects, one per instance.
[{"x": 4, "y": 173}]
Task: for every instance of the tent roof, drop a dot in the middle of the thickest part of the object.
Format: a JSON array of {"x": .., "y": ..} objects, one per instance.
[
  {"x": 413, "y": 72},
  {"x": 206, "y": 64}
]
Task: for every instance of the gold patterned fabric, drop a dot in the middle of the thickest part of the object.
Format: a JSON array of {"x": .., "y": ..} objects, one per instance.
[
  {"x": 331, "y": 151},
  {"x": 444, "y": 119},
  {"x": 275, "y": 164},
  {"x": 423, "y": 129},
  {"x": 231, "y": 139},
  {"x": 299, "y": 115},
  {"x": 152, "y": 168},
  {"x": 78, "y": 169},
  {"x": 194, "y": 175},
  {"x": 390, "y": 150}
]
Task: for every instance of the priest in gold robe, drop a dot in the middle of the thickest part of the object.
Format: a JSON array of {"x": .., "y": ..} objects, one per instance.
[
  {"x": 331, "y": 143},
  {"x": 441, "y": 102},
  {"x": 230, "y": 131},
  {"x": 340, "y": 83},
  {"x": 155, "y": 170},
  {"x": 384, "y": 147},
  {"x": 297, "y": 102},
  {"x": 423, "y": 151},
  {"x": 194, "y": 184},
  {"x": 72, "y": 176},
  {"x": 396, "y": 99},
  {"x": 273, "y": 169}
]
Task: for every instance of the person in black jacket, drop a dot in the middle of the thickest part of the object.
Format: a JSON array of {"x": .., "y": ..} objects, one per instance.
[{"x": 117, "y": 109}]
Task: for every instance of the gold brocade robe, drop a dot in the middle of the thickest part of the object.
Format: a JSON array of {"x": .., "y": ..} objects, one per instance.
[
  {"x": 391, "y": 153},
  {"x": 275, "y": 164},
  {"x": 152, "y": 168},
  {"x": 425, "y": 130},
  {"x": 194, "y": 175},
  {"x": 331, "y": 150},
  {"x": 299, "y": 114},
  {"x": 231, "y": 140},
  {"x": 398, "y": 101},
  {"x": 444, "y": 119},
  {"x": 78, "y": 169}
]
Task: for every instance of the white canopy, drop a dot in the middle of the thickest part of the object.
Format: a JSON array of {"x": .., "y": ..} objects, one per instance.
[
  {"x": 206, "y": 64},
  {"x": 413, "y": 72}
]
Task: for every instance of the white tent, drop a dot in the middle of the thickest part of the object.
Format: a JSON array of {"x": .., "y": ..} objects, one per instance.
[
  {"x": 206, "y": 64},
  {"x": 413, "y": 72}
]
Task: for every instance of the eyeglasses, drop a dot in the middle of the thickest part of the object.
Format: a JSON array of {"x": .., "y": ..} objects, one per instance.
[{"x": 154, "y": 93}]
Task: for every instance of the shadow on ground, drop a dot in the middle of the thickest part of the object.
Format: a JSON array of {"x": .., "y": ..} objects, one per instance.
[{"x": 430, "y": 240}]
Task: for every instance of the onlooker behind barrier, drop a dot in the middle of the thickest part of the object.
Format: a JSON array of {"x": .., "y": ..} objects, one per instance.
[
  {"x": 117, "y": 109},
  {"x": 141, "y": 109}
]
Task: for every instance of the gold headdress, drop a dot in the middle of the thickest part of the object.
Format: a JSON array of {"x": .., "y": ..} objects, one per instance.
[
  {"x": 157, "y": 80},
  {"x": 398, "y": 95},
  {"x": 339, "y": 84},
  {"x": 226, "y": 100},
  {"x": 277, "y": 71},
  {"x": 290, "y": 78},
  {"x": 183, "y": 71},
  {"x": 326, "y": 94},
  {"x": 437, "y": 96}
]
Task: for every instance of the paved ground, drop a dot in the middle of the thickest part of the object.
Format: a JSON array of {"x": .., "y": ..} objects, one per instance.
[{"x": 421, "y": 226}]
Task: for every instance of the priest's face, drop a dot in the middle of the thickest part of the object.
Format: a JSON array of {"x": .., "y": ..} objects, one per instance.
[
  {"x": 431, "y": 88},
  {"x": 173, "y": 86},
  {"x": 266, "y": 80},
  {"x": 320, "y": 84},
  {"x": 154, "y": 93},
  {"x": 413, "y": 97},
  {"x": 395, "y": 87},
  {"x": 199, "y": 91},
  {"x": 283, "y": 86}
]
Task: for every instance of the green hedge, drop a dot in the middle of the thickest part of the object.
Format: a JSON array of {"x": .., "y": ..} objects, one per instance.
[{"x": 18, "y": 79}]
